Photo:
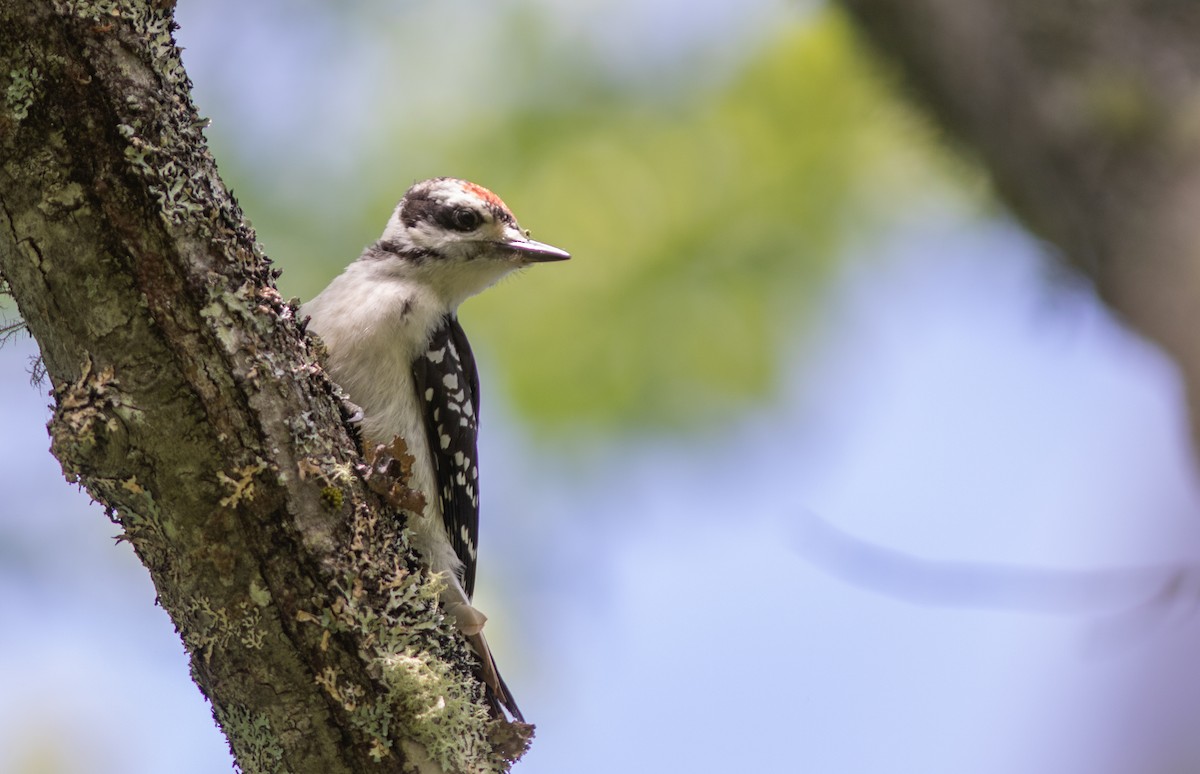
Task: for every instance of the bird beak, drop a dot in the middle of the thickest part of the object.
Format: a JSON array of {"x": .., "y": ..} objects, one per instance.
[{"x": 536, "y": 252}]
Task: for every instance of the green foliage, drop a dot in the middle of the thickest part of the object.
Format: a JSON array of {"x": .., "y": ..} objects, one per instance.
[
  {"x": 699, "y": 233},
  {"x": 703, "y": 220}
]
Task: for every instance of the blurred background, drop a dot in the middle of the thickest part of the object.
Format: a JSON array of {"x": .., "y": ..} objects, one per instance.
[{"x": 810, "y": 459}]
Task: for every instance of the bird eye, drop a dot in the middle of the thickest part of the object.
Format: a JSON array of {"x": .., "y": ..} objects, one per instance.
[{"x": 465, "y": 220}]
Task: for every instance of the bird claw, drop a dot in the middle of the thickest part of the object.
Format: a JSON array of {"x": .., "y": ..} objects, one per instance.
[{"x": 352, "y": 412}]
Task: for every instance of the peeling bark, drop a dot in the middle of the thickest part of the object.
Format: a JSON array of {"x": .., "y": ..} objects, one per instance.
[
  {"x": 189, "y": 403},
  {"x": 1087, "y": 115}
]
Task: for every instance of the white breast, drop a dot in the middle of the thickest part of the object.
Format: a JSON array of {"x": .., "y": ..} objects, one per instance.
[{"x": 374, "y": 322}]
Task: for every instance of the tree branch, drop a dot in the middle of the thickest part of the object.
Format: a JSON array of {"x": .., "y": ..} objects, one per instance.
[
  {"x": 189, "y": 403},
  {"x": 1086, "y": 115}
]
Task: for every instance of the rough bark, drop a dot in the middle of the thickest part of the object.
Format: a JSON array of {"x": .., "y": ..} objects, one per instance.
[
  {"x": 1087, "y": 114},
  {"x": 190, "y": 404}
]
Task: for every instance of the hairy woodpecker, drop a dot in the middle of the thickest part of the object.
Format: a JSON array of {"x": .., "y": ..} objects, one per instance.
[{"x": 390, "y": 324}]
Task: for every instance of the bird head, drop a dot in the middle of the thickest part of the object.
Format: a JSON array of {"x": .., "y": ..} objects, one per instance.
[{"x": 460, "y": 237}]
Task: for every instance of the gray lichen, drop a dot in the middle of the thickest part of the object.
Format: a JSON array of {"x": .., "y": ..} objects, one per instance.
[
  {"x": 165, "y": 140},
  {"x": 429, "y": 702},
  {"x": 253, "y": 741},
  {"x": 95, "y": 10},
  {"x": 85, "y": 417},
  {"x": 240, "y": 484},
  {"x": 212, "y": 628},
  {"x": 22, "y": 91}
]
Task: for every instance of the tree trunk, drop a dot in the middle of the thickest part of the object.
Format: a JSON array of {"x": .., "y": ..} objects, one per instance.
[
  {"x": 1087, "y": 115},
  {"x": 190, "y": 404}
]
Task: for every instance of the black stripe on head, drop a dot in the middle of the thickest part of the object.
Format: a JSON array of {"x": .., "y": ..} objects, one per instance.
[
  {"x": 502, "y": 215},
  {"x": 458, "y": 218},
  {"x": 385, "y": 247},
  {"x": 418, "y": 206}
]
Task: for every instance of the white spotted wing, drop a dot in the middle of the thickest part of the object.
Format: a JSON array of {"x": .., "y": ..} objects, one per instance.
[{"x": 447, "y": 387}]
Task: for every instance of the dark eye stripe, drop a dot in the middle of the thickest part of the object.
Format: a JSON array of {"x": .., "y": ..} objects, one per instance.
[
  {"x": 417, "y": 207},
  {"x": 458, "y": 218}
]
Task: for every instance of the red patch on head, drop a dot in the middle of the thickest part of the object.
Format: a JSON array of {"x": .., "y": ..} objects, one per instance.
[{"x": 485, "y": 194}]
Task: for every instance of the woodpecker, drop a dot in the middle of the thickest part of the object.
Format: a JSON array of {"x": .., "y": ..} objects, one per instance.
[{"x": 390, "y": 325}]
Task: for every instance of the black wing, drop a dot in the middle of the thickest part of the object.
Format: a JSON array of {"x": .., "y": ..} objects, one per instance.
[{"x": 447, "y": 387}]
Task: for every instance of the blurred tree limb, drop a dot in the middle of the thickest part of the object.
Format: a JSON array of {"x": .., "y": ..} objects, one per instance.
[
  {"x": 192, "y": 407},
  {"x": 1087, "y": 115}
]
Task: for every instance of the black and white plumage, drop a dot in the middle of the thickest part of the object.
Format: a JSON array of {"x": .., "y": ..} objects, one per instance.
[
  {"x": 390, "y": 324},
  {"x": 447, "y": 382}
]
